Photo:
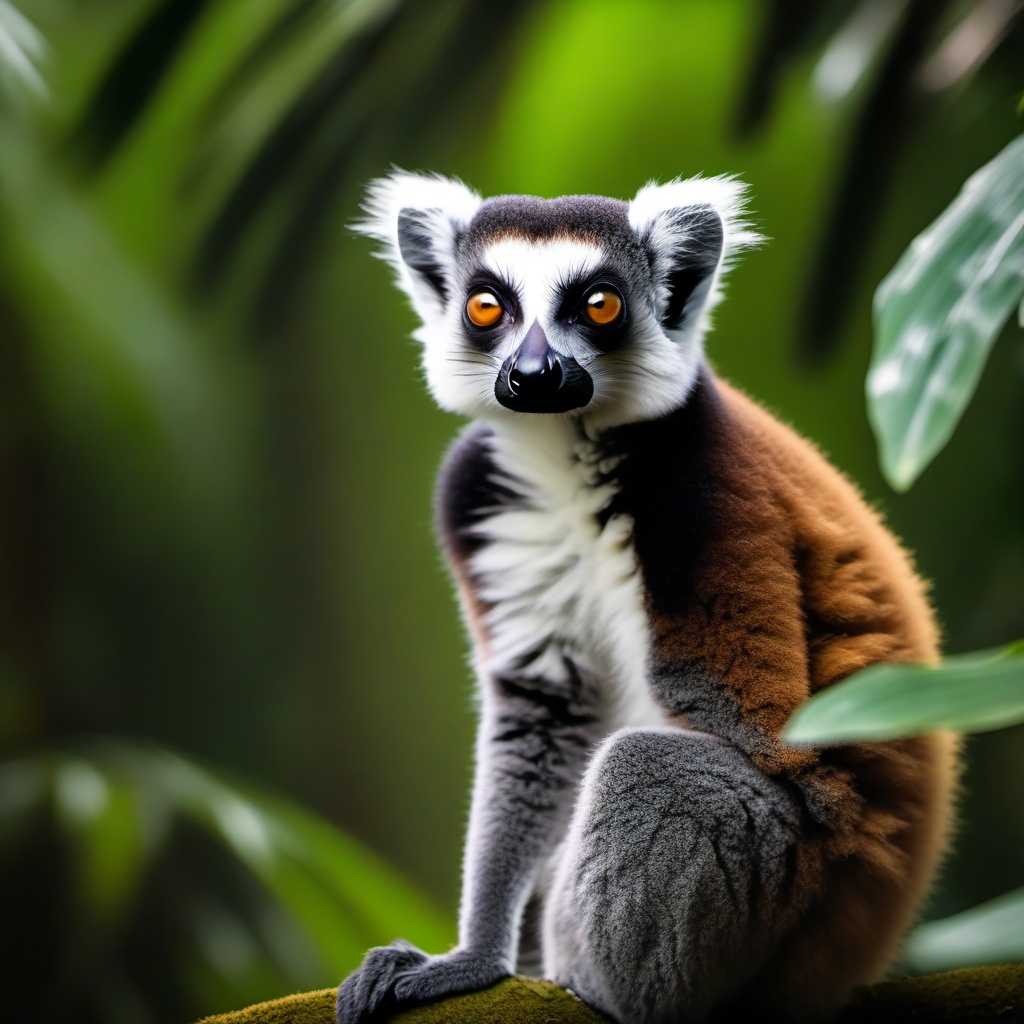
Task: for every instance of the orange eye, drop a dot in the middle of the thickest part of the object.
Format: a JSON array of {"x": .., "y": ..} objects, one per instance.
[
  {"x": 603, "y": 307},
  {"x": 484, "y": 309}
]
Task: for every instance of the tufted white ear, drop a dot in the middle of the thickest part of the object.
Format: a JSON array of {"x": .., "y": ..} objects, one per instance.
[
  {"x": 418, "y": 218},
  {"x": 693, "y": 230}
]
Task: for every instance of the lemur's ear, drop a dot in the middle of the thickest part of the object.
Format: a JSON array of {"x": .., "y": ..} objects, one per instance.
[
  {"x": 692, "y": 230},
  {"x": 418, "y": 218}
]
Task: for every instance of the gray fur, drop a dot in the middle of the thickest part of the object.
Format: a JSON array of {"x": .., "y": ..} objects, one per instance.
[
  {"x": 678, "y": 853},
  {"x": 605, "y": 222},
  {"x": 687, "y": 688},
  {"x": 536, "y": 735}
]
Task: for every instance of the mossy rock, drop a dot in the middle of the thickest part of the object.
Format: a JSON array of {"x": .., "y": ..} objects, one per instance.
[
  {"x": 975, "y": 995},
  {"x": 515, "y": 1000}
]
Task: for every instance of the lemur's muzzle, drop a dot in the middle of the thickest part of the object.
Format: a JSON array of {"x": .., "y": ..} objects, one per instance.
[{"x": 536, "y": 378}]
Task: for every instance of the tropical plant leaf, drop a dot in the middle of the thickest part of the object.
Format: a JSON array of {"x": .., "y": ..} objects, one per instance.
[
  {"x": 991, "y": 933},
  {"x": 288, "y": 142},
  {"x": 333, "y": 885},
  {"x": 938, "y": 313},
  {"x": 103, "y": 816},
  {"x": 306, "y": 905},
  {"x": 89, "y": 299},
  {"x": 133, "y": 78},
  {"x": 877, "y": 142},
  {"x": 22, "y": 51},
  {"x": 971, "y": 692}
]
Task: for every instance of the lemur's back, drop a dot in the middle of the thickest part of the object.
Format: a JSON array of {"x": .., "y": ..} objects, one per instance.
[{"x": 802, "y": 587}]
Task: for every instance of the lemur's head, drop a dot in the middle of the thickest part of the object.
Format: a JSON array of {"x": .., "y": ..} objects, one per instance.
[{"x": 574, "y": 306}]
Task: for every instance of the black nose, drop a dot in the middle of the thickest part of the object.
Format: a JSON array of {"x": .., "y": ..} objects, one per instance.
[
  {"x": 534, "y": 372},
  {"x": 534, "y": 379},
  {"x": 537, "y": 379}
]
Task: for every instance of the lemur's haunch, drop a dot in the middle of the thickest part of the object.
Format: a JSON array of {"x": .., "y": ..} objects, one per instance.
[{"x": 656, "y": 574}]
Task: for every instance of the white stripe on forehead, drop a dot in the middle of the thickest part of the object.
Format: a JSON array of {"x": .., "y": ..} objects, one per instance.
[{"x": 536, "y": 269}]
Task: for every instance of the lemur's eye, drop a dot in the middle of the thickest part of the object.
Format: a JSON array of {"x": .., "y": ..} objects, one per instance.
[
  {"x": 484, "y": 309},
  {"x": 602, "y": 307}
]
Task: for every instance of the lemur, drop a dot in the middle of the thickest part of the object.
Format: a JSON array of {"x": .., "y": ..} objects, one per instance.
[{"x": 655, "y": 574}]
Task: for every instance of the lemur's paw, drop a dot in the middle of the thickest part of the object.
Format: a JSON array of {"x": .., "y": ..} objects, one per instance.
[
  {"x": 449, "y": 974},
  {"x": 398, "y": 976},
  {"x": 367, "y": 994}
]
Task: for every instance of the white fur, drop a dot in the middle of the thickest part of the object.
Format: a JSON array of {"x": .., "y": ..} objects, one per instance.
[
  {"x": 451, "y": 206},
  {"x": 650, "y": 216},
  {"x": 549, "y": 571}
]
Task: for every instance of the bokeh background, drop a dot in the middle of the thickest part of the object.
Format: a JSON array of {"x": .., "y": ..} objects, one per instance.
[{"x": 221, "y": 599}]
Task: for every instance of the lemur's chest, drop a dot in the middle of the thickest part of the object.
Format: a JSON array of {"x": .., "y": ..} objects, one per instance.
[{"x": 562, "y": 584}]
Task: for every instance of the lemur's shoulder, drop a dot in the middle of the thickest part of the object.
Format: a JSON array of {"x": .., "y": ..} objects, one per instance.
[
  {"x": 856, "y": 577},
  {"x": 766, "y": 573}
]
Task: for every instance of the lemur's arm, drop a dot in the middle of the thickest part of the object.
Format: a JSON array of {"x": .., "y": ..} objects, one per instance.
[
  {"x": 531, "y": 750},
  {"x": 536, "y": 728}
]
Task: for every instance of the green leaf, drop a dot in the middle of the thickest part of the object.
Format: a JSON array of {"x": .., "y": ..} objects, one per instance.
[
  {"x": 344, "y": 896},
  {"x": 317, "y": 899},
  {"x": 102, "y": 815},
  {"x": 992, "y": 933},
  {"x": 22, "y": 52},
  {"x": 938, "y": 313},
  {"x": 969, "y": 692}
]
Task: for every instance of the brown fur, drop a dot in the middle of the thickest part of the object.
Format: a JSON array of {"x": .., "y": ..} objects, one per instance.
[{"x": 804, "y": 587}]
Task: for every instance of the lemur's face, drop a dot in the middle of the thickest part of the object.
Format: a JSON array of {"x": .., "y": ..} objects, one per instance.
[{"x": 578, "y": 306}]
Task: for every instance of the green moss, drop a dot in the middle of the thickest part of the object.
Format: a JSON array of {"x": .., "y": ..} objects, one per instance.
[
  {"x": 975, "y": 995},
  {"x": 306, "y": 1008},
  {"x": 513, "y": 1001}
]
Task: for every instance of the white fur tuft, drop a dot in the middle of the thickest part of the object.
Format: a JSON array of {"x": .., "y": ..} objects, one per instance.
[
  {"x": 650, "y": 210},
  {"x": 449, "y": 206},
  {"x": 725, "y": 194},
  {"x": 400, "y": 189}
]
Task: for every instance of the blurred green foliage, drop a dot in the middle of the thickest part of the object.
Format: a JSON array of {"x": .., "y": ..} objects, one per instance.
[
  {"x": 216, "y": 454},
  {"x": 992, "y": 933},
  {"x": 170, "y": 870}
]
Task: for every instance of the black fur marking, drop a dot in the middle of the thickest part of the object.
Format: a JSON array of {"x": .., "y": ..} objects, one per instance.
[
  {"x": 543, "y": 733},
  {"x": 486, "y": 339},
  {"x": 602, "y": 221},
  {"x": 561, "y": 710},
  {"x": 416, "y": 246},
  {"x": 666, "y": 484},
  {"x": 574, "y": 295},
  {"x": 468, "y": 492},
  {"x": 534, "y": 218},
  {"x": 693, "y": 259}
]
